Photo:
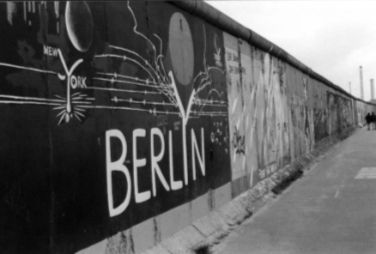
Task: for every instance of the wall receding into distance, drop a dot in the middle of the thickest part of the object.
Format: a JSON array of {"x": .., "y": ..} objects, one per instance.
[{"x": 126, "y": 121}]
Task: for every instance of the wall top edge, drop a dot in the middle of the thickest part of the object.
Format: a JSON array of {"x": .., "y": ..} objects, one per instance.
[{"x": 221, "y": 20}]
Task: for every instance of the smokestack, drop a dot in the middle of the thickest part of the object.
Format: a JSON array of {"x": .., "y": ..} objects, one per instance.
[
  {"x": 361, "y": 82},
  {"x": 372, "y": 89},
  {"x": 349, "y": 87}
]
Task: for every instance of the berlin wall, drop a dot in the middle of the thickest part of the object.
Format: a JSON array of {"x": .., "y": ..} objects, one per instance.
[{"x": 124, "y": 122}]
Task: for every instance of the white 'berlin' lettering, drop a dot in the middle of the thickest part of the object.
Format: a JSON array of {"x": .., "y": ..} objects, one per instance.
[{"x": 169, "y": 183}]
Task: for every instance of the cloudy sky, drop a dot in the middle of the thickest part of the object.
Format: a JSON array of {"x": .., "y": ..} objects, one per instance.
[{"x": 333, "y": 37}]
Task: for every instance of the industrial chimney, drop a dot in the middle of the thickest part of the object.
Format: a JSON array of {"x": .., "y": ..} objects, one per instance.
[
  {"x": 350, "y": 87},
  {"x": 361, "y": 82}
]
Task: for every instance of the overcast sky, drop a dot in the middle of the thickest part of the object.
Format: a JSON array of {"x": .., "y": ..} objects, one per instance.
[{"x": 331, "y": 37}]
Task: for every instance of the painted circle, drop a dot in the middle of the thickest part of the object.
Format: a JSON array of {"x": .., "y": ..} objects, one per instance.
[
  {"x": 181, "y": 49},
  {"x": 79, "y": 23}
]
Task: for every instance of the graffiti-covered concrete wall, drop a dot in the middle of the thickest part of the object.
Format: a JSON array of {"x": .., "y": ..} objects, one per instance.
[{"x": 124, "y": 122}]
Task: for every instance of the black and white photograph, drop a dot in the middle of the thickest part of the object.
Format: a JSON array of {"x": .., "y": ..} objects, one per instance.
[{"x": 188, "y": 127}]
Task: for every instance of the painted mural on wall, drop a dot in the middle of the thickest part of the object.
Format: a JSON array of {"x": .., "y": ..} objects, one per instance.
[
  {"x": 333, "y": 120},
  {"x": 242, "y": 91},
  {"x": 272, "y": 116},
  {"x": 258, "y": 111},
  {"x": 320, "y": 112},
  {"x": 340, "y": 113},
  {"x": 236, "y": 106},
  {"x": 302, "y": 116},
  {"x": 320, "y": 123},
  {"x": 122, "y": 122},
  {"x": 361, "y": 111},
  {"x": 345, "y": 108},
  {"x": 250, "y": 110}
]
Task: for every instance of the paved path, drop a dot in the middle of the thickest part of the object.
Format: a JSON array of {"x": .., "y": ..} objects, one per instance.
[{"x": 327, "y": 211}]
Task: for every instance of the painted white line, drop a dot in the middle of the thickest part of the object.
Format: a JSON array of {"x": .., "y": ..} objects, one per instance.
[
  {"x": 26, "y": 98},
  {"x": 113, "y": 80},
  {"x": 336, "y": 194},
  {"x": 116, "y": 75},
  {"x": 145, "y": 102},
  {"x": 120, "y": 90},
  {"x": 30, "y": 103},
  {"x": 28, "y": 68},
  {"x": 151, "y": 111},
  {"x": 366, "y": 173}
]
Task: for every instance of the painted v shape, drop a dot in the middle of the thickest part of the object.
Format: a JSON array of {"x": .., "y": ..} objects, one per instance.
[{"x": 184, "y": 112}]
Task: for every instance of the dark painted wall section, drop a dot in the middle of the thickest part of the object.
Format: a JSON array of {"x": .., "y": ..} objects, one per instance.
[
  {"x": 90, "y": 103},
  {"x": 107, "y": 125}
]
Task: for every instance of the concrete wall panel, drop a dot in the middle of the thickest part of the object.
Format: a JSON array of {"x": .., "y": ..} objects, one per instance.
[
  {"x": 249, "y": 110},
  {"x": 236, "y": 105}
]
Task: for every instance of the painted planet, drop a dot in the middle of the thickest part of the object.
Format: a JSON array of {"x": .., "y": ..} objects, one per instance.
[
  {"x": 181, "y": 49},
  {"x": 79, "y": 23}
]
